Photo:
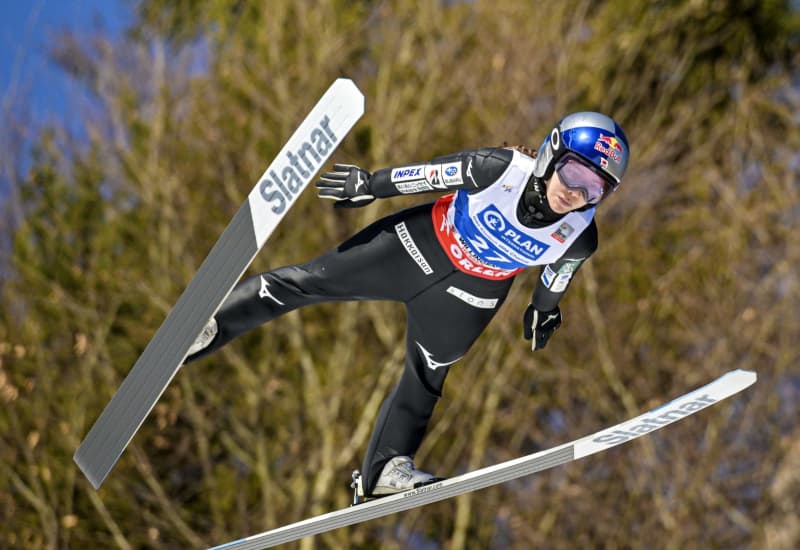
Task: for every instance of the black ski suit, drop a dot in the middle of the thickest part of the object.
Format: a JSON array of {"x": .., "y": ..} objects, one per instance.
[{"x": 400, "y": 258}]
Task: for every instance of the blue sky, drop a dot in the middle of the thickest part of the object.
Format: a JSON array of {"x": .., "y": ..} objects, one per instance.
[
  {"x": 28, "y": 80},
  {"x": 32, "y": 88}
]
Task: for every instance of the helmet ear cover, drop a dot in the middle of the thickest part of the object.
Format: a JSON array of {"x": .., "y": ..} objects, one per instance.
[
  {"x": 555, "y": 139},
  {"x": 555, "y": 152}
]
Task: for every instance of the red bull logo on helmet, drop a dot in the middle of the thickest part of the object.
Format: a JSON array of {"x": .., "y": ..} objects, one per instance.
[{"x": 610, "y": 147}]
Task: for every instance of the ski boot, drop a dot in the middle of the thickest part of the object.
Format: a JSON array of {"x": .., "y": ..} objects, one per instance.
[
  {"x": 206, "y": 337},
  {"x": 397, "y": 476}
]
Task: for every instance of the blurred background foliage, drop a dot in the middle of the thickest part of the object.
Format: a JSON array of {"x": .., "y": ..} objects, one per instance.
[{"x": 696, "y": 275}]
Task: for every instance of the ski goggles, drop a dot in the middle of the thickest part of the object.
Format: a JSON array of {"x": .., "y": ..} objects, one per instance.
[{"x": 578, "y": 176}]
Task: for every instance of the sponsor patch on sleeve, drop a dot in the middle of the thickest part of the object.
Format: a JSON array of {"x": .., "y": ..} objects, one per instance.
[
  {"x": 451, "y": 174},
  {"x": 433, "y": 176},
  {"x": 409, "y": 187},
  {"x": 557, "y": 281},
  {"x": 411, "y": 179},
  {"x": 561, "y": 281},
  {"x": 547, "y": 276},
  {"x": 408, "y": 173},
  {"x": 569, "y": 266}
]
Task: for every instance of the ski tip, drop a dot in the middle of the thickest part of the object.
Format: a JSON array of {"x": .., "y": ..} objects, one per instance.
[
  {"x": 744, "y": 377},
  {"x": 347, "y": 86},
  {"x": 343, "y": 82}
]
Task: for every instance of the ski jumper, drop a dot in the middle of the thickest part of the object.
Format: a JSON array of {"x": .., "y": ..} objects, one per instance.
[{"x": 451, "y": 262}]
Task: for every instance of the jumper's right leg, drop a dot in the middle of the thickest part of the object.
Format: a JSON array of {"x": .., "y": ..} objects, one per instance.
[
  {"x": 253, "y": 302},
  {"x": 371, "y": 265}
]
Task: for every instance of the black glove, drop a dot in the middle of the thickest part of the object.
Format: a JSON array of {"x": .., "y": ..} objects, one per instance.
[
  {"x": 348, "y": 185},
  {"x": 539, "y": 326}
]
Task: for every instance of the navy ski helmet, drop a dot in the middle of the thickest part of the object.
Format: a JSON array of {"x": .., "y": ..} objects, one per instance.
[{"x": 595, "y": 138}]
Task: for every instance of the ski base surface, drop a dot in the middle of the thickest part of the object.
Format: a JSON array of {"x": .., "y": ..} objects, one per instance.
[
  {"x": 284, "y": 179},
  {"x": 723, "y": 387}
]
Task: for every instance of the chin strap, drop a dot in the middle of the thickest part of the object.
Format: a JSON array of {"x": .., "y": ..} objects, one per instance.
[{"x": 534, "y": 210}]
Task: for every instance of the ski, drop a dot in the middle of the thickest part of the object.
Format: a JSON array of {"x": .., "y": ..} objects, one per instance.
[
  {"x": 677, "y": 409},
  {"x": 304, "y": 154}
]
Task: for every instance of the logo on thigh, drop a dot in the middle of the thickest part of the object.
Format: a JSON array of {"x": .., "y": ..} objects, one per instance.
[
  {"x": 433, "y": 364},
  {"x": 411, "y": 247},
  {"x": 471, "y": 299},
  {"x": 265, "y": 292}
]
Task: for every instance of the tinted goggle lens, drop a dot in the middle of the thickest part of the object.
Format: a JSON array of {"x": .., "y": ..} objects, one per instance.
[{"x": 577, "y": 176}]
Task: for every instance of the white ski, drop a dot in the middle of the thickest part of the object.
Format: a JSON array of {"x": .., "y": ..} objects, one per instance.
[
  {"x": 303, "y": 155},
  {"x": 721, "y": 388}
]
